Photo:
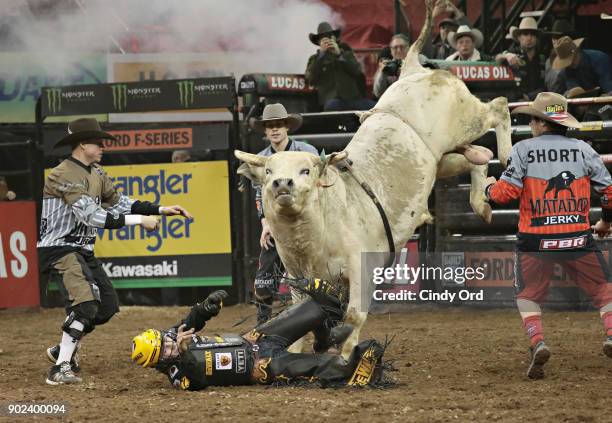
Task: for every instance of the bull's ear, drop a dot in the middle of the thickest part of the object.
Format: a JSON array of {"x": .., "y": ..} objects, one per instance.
[
  {"x": 253, "y": 166},
  {"x": 330, "y": 159},
  {"x": 334, "y": 158},
  {"x": 328, "y": 174}
]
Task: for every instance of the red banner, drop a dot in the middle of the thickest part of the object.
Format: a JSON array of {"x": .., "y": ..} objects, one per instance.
[
  {"x": 150, "y": 139},
  {"x": 296, "y": 83},
  {"x": 18, "y": 258},
  {"x": 470, "y": 73}
]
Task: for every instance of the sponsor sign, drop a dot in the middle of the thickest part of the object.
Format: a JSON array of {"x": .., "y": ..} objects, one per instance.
[
  {"x": 562, "y": 244},
  {"x": 240, "y": 361},
  {"x": 18, "y": 259},
  {"x": 200, "y": 187},
  {"x": 180, "y": 252},
  {"x": 208, "y": 360},
  {"x": 471, "y": 73},
  {"x": 150, "y": 139},
  {"x": 294, "y": 83},
  {"x": 24, "y": 74},
  {"x": 223, "y": 361},
  {"x": 499, "y": 269},
  {"x": 142, "y": 96}
]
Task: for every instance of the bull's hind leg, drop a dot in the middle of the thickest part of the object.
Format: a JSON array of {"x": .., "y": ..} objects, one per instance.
[{"x": 456, "y": 164}]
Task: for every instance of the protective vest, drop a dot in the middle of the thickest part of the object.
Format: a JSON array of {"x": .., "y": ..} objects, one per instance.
[{"x": 213, "y": 360}]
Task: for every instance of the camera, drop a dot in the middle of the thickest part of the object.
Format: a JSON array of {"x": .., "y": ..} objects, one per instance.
[{"x": 392, "y": 68}]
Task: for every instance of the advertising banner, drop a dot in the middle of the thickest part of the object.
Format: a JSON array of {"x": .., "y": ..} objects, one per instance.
[
  {"x": 142, "y": 96},
  {"x": 180, "y": 252},
  {"x": 18, "y": 259},
  {"x": 472, "y": 73},
  {"x": 164, "y": 66},
  {"x": 150, "y": 139},
  {"x": 23, "y": 74},
  {"x": 183, "y": 252}
]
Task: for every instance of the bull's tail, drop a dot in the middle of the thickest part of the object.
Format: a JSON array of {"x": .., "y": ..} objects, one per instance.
[{"x": 411, "y": 62}]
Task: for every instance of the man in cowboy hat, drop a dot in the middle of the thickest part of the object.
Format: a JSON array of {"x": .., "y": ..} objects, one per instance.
[
  {"x": 466, "y": 41},
  {"x": 78, "y": 199},
  {"x": 441, "y": 48},
  {"x": 276, "y": 124},
  {"x": 335, "y": 72},
  {"x": 560, "y": 28},
  {"x": 552, "y": 175},
  {"x": 582, "y": 67},
  {"x": 527, "y": 60}
]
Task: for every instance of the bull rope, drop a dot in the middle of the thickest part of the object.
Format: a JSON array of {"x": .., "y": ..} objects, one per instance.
[{"x": 345, "y": 165}]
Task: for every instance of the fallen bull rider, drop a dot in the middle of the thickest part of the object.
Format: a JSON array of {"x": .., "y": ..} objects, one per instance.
[{"x": 193, "y": 362}]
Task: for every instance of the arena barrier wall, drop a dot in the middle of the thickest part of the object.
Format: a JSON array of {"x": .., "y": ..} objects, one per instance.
[{"x": 18, "y": 258}]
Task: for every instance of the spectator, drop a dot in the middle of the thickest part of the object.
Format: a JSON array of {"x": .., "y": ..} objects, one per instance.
[
  {"x": 560, "y": 28},
  {"x": 466, "y": 41},
  {"x": 527, "y": 61},
  {"x": 181, "y": 156},
  {"x": 510, "y": 42},
  {"x": 389, "y": 68},
  {"x": 336, "y": 73},
  {"x": 5, "y": 193},
  {"x": 586, "y": 69},
  {"x": 442, "y": 48}
]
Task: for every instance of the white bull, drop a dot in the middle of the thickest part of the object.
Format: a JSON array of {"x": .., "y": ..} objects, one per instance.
[{"x": 322, "y": 219}]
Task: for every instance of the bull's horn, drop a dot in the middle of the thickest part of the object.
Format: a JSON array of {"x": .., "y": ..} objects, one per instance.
[{"x": 252, "y": 159}]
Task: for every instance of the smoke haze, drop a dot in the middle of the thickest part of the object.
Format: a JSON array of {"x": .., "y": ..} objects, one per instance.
[{"x": 265, "y": 35}]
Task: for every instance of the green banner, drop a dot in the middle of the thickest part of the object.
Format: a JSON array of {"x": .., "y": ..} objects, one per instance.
[
  {"x": 143, "y": 96},
  {"x": 22, "y": 75}
]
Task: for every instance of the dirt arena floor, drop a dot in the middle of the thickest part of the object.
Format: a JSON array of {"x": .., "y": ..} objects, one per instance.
[{"x": 454, "y": 365}]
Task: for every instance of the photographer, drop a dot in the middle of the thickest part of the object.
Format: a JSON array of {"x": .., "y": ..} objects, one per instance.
[
  {"x": 527, "y": 60},
  {"x": 389, "y": 68},
  {"x": 336, "y": 73}
]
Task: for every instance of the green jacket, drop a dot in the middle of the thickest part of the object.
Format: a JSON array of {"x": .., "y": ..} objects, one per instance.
[{"x": 336, "y": 76}]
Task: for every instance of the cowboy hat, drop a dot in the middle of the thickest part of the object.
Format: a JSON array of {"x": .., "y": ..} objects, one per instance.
[
  {"x": 81, "y": 130},
  {"x": 566, "y": 49},
  {"x": 551, "y": 107},
  {"x": 464, "y": 30},
  {"x": 277, "y": 112},
  {"x": 324, "y": 28},
  {"x": 527, "y": 24},
  {"x": 579, "y": 92},
  {"x": 561, "y": 27},
  {"x": 509, "y": 34}
]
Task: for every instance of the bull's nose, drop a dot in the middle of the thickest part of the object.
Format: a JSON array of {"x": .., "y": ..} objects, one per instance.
[{"x": 282, "y": 185}]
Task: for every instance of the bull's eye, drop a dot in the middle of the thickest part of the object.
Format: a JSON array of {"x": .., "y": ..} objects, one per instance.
[
  {"x": 305, "y": 172},
  {"x": 268, "y": 172}
]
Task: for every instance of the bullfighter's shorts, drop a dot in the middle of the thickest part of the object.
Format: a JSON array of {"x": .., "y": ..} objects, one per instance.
[
  {"x": 81, "y": 278},
  {"x": 588, "y": 269}
]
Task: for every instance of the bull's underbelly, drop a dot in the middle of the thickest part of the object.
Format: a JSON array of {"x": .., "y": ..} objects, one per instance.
[{"x": 400, "y": 168}]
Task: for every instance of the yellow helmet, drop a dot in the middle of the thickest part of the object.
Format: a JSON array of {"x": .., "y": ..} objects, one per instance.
[{"x": 146, "y": 348}]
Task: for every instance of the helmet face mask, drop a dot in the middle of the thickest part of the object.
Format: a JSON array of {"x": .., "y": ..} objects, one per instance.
[
  {"x": 146, "y": 348},
  {"x": 154, "y": 347}
]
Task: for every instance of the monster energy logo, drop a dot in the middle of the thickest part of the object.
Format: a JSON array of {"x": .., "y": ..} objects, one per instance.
[
  {"x": 186, "y": 93},
  {"x": 119, "y": 97},
  {"x": 54, "y": 99}
]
